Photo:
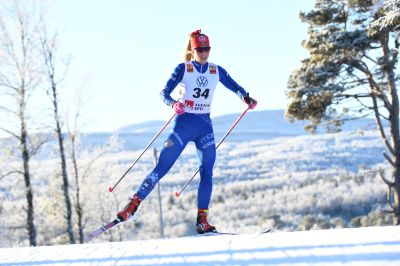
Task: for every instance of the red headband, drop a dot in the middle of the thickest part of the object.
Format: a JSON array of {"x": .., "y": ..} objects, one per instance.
[{"x": 199, "y": 40}]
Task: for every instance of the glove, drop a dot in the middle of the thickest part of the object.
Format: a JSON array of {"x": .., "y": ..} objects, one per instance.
[
  {"x": 251, "y": 103},
  {"x": 179, "y": 108}
]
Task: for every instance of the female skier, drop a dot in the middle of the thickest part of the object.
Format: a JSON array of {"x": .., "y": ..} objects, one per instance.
[{"x": 197, "y": 79}]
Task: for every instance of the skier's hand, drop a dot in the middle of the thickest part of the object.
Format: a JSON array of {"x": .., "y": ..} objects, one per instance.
[
  {"x": 179, "y": 108},
  {"x": 251, "y": 103}
]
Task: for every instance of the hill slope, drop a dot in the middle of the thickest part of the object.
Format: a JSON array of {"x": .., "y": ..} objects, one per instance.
[
  {"x": 272, "y": 122},
  {"x": 255, "y": 125},
  {"x": 360, "y": 246}
]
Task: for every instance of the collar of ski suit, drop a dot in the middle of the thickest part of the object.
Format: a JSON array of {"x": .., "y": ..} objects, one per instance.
[{"x": 199, "y": 67}]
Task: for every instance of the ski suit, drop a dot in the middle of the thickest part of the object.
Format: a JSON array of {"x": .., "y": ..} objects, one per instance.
[{"x": 197, "y": 85}]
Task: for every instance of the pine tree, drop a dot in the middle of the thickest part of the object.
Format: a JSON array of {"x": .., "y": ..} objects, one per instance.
[
  {"x": 350, "y": 72},
  {"x": 391, "y": 12}
]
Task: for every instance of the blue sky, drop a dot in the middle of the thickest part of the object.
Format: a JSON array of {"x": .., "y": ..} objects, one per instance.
[{"x": 129, "y": 48}]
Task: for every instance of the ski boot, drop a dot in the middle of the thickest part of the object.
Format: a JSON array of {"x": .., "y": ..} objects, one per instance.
[
  {"x": 129, "y": 209},
  {"x": 202, "y": 225}
]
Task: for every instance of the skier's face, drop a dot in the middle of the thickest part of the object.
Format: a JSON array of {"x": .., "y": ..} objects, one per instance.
[{"x": 201, "y": 54}]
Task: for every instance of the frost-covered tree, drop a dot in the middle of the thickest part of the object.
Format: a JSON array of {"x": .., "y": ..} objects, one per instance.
[
  {"x": 20, "y": 75},
  {"x": 73, "y": 136},
  {"x": 350, "y": 72},
  {"x": 49, "y": 54},
  {"x": 84, "y": 160},
  {"x": 391, "y": 12}
]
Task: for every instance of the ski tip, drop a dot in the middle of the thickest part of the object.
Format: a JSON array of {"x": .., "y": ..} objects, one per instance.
[
  {"x": 177, "y": 194},
  {"x": 110, "y": 189}
]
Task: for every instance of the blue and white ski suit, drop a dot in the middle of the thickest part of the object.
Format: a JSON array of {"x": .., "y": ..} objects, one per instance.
[{"x": 197, "y": 85}]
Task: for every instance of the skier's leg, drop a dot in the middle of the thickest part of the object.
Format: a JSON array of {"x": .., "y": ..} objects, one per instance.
[
  {"x": 170, "y": 152},
  {"x": 206, "y": 156},
  {"x": 173, "y": 147}
]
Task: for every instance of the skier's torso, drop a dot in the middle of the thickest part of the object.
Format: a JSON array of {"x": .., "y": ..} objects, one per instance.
[
  {"x": 197, "y": 89},
  {"x": 180, "y": 71}
]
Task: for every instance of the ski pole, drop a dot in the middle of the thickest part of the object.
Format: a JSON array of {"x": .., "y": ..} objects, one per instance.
[
  {"x": 137, "y": 159},
  {"x": 177, "y": 194}
]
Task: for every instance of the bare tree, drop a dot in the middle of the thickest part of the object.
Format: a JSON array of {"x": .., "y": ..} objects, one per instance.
[
  {"x": 82, "y": 171},
  {"x": 49, "y": 54},
  {"x": 73, "y": 134},
  {"x": 19, "y": 76},
  {"x": 82, "y": 168}
]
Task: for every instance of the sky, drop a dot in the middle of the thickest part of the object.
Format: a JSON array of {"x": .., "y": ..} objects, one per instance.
[{"x": 123, "y": 52}]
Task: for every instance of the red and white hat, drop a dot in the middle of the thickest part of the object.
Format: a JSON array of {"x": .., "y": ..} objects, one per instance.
[{"x": 199, "y": 40}]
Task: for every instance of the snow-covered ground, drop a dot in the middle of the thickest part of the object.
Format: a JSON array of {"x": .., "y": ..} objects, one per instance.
[{"x": 356, "y": 246}]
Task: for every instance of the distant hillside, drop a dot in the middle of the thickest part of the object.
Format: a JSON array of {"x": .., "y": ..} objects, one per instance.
[
  {"x": 254, "y": 125},
  {"x": 270, "y": 121}
]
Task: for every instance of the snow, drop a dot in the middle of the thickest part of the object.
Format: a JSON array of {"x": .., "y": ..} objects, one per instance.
[{"x": 351, "y": 246}]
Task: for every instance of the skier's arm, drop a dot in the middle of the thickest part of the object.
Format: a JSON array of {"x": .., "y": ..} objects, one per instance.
[{"x": 172, "y": 82}]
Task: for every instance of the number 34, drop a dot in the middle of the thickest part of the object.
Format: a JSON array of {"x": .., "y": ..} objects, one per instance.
[{"x": 199, "y": 93}]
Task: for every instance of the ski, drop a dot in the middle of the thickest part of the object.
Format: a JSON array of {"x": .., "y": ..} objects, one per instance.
[
  {"x": 230, "y": 233},
  {"x": 117, "y": 221},
  {"x": 217, "y": 233},
  {"x": 103, "y": 229}
]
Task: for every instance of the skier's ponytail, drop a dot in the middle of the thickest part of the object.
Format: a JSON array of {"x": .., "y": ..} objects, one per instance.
[{"x": 188, "y": 56}]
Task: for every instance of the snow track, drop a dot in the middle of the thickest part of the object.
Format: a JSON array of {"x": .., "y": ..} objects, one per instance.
[{"x": 357, "y": 246}]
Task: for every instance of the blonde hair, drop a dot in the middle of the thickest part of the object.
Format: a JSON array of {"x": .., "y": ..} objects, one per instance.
[{"x": 188, "y": 56}]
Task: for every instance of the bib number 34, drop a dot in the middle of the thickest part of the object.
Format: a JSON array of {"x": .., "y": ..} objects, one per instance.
[{"x": 199, "y": 93}]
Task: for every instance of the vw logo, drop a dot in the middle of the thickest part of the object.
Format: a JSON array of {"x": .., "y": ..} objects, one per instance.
[
  {"x": 202, "y": 38},
  {"x": 202, "y": 81}
]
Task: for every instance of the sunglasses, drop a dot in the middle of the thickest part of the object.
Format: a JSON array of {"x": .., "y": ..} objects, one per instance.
[{"x": 202, "y": 49}]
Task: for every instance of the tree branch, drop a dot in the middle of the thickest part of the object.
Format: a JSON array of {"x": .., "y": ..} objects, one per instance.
[
  {"x": 388, "y": 159},
  {"x": 11, "y": 133},
  {"x": 380, "y": 126},
  {"x": 387, "y": 182},
  {"x": 10, "y": 173},
  {"x": 390, "y": 187}
]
